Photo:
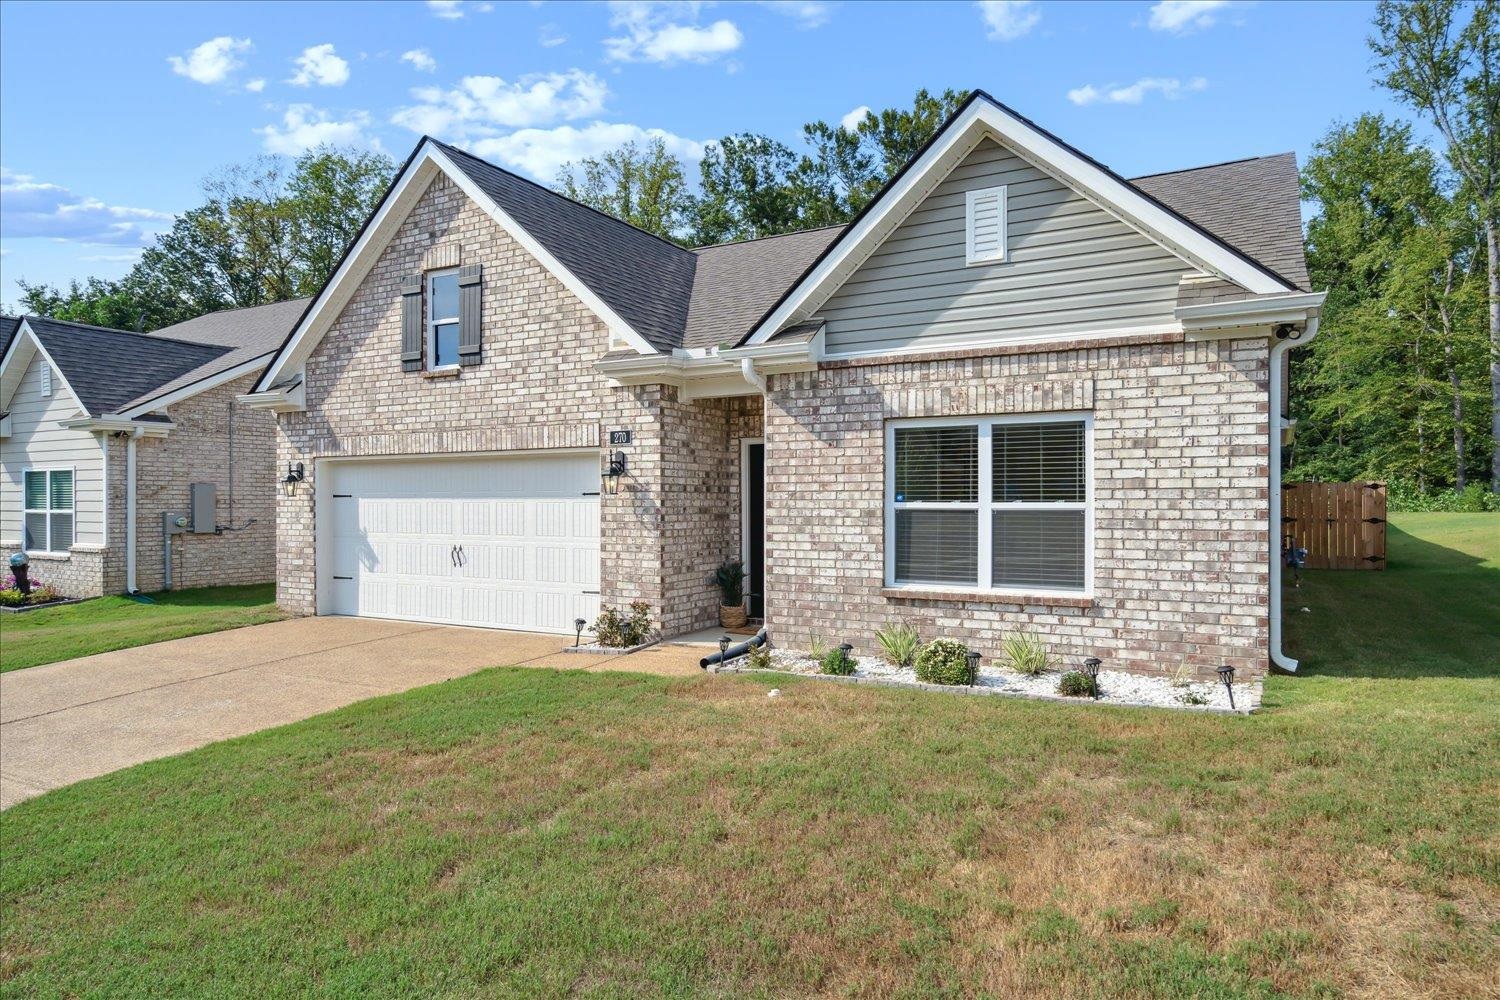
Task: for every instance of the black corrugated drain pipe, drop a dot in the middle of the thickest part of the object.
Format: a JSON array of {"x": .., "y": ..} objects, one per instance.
[{"x": 734, "y": 652}]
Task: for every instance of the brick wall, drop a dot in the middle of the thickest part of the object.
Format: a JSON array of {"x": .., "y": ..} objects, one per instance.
[
  {"x": 199, "y": 450},
  {"x": 1180, "y": 451},
  {"x": 79, "y": 574},
  {"x": 536, "y": 388}
]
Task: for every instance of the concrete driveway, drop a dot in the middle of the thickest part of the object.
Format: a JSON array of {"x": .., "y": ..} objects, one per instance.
[{"x": 67, "y": 721}]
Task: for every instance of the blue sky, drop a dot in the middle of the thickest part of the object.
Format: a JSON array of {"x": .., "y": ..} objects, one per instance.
[{"x": 111, "y": 115}]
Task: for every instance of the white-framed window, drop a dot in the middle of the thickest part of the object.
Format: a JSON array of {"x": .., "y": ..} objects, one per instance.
[
  {"x": 47, "y": 521},
  {"x": 442, "y": 319},
  {"x": 985, "y": 225},
  {"x": 1002, "y": 504}
]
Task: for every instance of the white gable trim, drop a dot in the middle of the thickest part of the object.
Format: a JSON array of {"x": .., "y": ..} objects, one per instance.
[
  {"x": 426, "y": 163},
  {"x": 984, "y": 116},
  {"x": 36, "y": 344},
  {"x": 194, "y": 388}
]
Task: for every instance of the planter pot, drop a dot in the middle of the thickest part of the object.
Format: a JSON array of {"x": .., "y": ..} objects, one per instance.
[{"x": 732, "y": 616}]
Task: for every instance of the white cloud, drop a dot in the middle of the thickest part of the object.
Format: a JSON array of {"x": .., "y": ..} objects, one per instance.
[
  {"x": 448, "y": 10},
  {"x": 851, "y": 121},
  {"x": 542, "y": 152},
  {"x": 256, "y": 86},
  {"x": 32, "y": 208},
  {"x": 1181, "y": 17},
  {"x": 319, "y": 64},
  {"x": 213, "y": 61},
  {"x": 421, "y": 60},
  {"x": 652, "y": 35},
  {"x": 1008, "y": 20},
  {"x": 112, "y": 258},
  {"x": 550, "y": 36},
  {"x": 807, "y": 13},
  {"x": 482, "y": 105},
  {"x": 304, "y": 126},
  {"x": 1169, "y": 87}
]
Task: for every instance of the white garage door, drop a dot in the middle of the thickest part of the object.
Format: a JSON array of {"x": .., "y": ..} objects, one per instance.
[{"x": 501, "y": 542}]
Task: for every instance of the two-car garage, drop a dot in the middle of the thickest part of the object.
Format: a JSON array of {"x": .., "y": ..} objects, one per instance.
[{"x": 507, "y": 541}]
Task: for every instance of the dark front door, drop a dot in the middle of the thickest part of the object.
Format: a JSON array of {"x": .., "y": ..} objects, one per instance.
[{"x": 755, "y": 527}]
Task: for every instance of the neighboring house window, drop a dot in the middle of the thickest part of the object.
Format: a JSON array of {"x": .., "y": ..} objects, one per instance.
[
  {"x": 442, "y": 319},
  {"x": 48, "y": 521},
  {"x": 984, "y": 225},
  {"x": 995, "y": 503},
  {"x": 46, "y": 372}
]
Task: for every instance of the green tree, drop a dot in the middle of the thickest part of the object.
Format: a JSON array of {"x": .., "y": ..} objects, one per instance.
[
  {"x": 1449, "y": 69},
  {"x": 644, "y": 187},
  {"x": 331, "y": 192},
  {"x": 747, "y": 190}
]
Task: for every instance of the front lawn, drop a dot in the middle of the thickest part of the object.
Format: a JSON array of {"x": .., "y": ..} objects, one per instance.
[
  {"x": 541, "y": 833},
  {"x": 106, "y": 623}
]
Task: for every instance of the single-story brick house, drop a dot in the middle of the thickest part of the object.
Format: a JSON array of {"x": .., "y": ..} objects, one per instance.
[
  {"x": 105, "y": 431},
  {"x": 1018, "y": 391}
]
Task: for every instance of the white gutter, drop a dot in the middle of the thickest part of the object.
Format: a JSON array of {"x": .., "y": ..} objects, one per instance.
[
  {"x": 130, "y": 587},
  {"x": 747, "y": 369},
  {"x": 1277, "y": 393}
]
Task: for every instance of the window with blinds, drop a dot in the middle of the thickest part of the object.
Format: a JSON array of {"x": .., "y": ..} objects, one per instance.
[
  {"x": 47, "y": 518},
  {"x": 996, "y": 503}
]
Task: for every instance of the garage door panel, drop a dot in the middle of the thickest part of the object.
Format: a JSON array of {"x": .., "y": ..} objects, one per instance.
[{"x": 529, "y": 541}]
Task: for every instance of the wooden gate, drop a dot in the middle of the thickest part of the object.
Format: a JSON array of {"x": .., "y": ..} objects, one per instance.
[{"x": 1341, "y": 525}]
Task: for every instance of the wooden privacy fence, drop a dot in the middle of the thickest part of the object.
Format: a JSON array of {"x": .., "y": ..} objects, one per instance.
[{"x": 1341, "y": 525}]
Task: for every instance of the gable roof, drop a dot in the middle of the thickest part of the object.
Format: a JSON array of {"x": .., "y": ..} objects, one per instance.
[
  {"x": 735, "y": 283},
  {"x": 108, "y": 368},
  {"x": 119, "y": 371},
  {"x": 1253, "y": 204}
]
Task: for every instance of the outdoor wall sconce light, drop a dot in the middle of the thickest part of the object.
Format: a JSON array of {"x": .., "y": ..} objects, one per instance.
[
  {"x": 578, "y": 624},
  {"x": 844, "y": 650},
  {"x": 1226, "y": 674},
  {"x": 294, "y": 474},
  {"x": 1091, "y": 667},
  {"x": 613, "y": 473},
  {"x": 973, "y": 657}
]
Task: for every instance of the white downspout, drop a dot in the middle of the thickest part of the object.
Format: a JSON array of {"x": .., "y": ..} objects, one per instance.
[
  {"x": 1278, "y": 392},
  {"x": 130, "y": 587},
  {"x": 755, "y": 378}
]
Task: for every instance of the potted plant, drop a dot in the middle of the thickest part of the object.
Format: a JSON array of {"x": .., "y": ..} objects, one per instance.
[{"x": 730, "y": 578}]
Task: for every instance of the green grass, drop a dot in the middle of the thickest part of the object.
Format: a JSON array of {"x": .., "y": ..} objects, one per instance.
[
  {"x": 106, "y": 623},
  {"x": 543, "y": 833}
]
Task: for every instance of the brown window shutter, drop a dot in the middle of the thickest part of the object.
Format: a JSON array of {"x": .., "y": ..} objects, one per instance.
[
  {"x": 411, "y": 323},
  {"x": 470, "y": 332}
]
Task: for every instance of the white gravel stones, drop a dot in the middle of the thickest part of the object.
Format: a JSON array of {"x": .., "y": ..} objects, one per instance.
[{"x": 1115, "y": 687}]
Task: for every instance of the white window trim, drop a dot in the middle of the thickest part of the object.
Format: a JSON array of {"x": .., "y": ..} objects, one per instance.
[
  {"x": 970, "y": 197},
  {"x": 49, "y": 511},
  {"x": 985, "y": 555},
  {"x": 434, "y": 321}
]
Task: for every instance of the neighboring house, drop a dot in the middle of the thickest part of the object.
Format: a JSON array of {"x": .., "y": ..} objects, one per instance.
[
  {"x": 1017, "y": 392},
  {"x": 105, "y": 431}
]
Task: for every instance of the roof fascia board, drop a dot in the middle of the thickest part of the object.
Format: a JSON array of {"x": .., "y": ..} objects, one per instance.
[
  {"x": 36, "y": 342},
  {"x": 618, "y": 328},
  {"x": 112, "y": 423},
  {"x": 194, "y": 388},
  {"x": 1111, "y": 193},
  {"x": 1268, "y": 310}
]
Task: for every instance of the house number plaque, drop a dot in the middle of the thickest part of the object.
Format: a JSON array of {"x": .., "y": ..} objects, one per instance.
[{"x": 619, "y": 437}]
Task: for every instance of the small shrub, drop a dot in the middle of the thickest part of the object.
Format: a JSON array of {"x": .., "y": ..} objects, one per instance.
[
  {"x": 1192, "y": 698},
  {"x": 1075, "y": 684},
  {"x": 41, "y": 593},
  {"x": 944, "y": 661},
  {"x": 1027, "y": 653},
  {"x": 833, "y": 662},
  {"x": 817, "y": 648},
  {"x": 1183, "y": 675},
  {"x": 618, "y": 630},
  {"x": 759, "y": 658},
  {"x": 10, "y": 597},
  {"x": 900, "y": 643},
  {"x": 1403, "y": 495}
]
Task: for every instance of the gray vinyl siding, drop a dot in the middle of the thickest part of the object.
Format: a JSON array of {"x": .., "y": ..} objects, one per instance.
[
  {"x": 1071, "y": 268},
  {"x": 37, "y": 442}
]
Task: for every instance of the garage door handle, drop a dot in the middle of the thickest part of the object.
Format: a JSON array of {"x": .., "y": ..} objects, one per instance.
[
  {"x": 453, "y": 555},
  {"x": 463, "y": 560}
]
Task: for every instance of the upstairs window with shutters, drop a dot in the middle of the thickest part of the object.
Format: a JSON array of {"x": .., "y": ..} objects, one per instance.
[
  {"x": 993, "y": 503},
  {"x": 442, "y": 319},
  {"x": 47, "y": 519},
  {"x": 985, "y": 225}
]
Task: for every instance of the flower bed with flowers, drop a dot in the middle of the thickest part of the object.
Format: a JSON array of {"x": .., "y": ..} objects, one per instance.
[{"x": 41, "y": 593}]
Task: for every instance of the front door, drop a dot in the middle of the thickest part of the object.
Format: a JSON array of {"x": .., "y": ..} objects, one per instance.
[{"x": 755, "y": 526}]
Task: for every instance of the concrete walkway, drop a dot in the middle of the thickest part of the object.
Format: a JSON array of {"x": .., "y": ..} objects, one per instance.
[{"x": 64, "y": 722}]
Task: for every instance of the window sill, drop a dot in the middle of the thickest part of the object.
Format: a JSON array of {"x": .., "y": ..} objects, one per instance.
[
  {"x": 985, "y": 597},
  {"x": 448, "y": 372},
  {"x": 49, "y": 556}
]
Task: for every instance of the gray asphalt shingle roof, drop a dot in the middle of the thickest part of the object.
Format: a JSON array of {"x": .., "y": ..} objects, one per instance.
[{"x": 736, "y": 283}]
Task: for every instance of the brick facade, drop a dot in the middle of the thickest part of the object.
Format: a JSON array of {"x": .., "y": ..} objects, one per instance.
[
  {"x": 78, "y": 574},
  {"x": 1180, "y": 538}
]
